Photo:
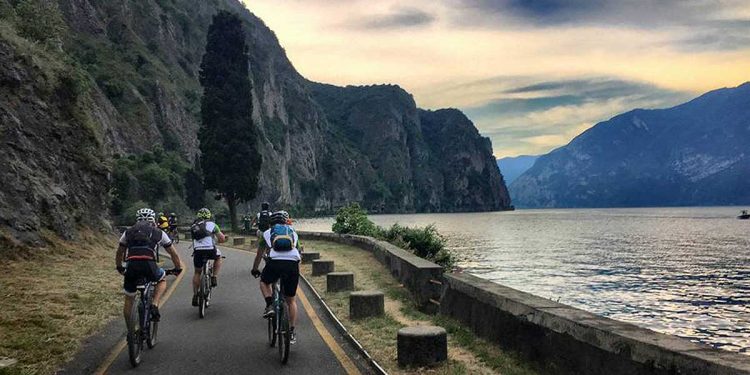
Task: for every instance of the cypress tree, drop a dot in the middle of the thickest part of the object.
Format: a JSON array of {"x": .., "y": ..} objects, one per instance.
[{"x": 228, "y": 137}]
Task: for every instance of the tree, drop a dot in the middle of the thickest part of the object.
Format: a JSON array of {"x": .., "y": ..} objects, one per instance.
[
  {"x": 194, "y": 193},
  {"x": 228, "y": 137}
]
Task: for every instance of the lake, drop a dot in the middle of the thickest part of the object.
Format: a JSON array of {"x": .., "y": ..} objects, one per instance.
[{"x": 681, "y": 271}]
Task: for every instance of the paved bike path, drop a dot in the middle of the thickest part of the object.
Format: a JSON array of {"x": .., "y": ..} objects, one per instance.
[{"x": 232, "y": 338}]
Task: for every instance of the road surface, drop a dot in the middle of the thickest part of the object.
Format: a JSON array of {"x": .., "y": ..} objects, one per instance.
[{"x": 232, "y": 338}]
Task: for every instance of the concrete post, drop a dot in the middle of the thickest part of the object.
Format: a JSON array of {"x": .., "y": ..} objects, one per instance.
[
  {"x": 365, "y": 304},
  {"x": 237, "y": 241},
  {"x": 339, "y": 281},
  {"x": 308, "y": 257},
  {"x": 421, "y": 346},
  {"x": 321, "y": 267}
]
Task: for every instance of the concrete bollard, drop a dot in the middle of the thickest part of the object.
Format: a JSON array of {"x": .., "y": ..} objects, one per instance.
[
  {"x": 237, "y": 241},
  {"x": 365, "y": 304},
  {"x": 321, "y": 267},
  {"x": 339, "y": 281},
  {"x": 309, "y": 257},
  {"x": 421, "y": 346}
]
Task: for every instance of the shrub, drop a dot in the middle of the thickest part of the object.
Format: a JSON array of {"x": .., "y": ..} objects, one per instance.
[
  {"x": 352, "y": 219},
  {"x": 40, "y": 20},
  {"x": 424, "y": 242}
]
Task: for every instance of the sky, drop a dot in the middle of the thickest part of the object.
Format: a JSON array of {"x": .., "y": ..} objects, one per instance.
[{"x": 530, "y": 74}]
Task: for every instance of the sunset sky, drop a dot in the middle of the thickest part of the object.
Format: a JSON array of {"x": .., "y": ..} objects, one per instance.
[{"x": 530, "y": 74}]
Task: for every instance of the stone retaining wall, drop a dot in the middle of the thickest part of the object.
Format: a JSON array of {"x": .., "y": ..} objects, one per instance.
[
  {"x": 561, "y": 338},
  {"x": 421, "y": 277}
]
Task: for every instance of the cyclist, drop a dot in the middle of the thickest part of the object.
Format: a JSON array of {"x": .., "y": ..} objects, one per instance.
[
  {"x": 263, "y": 221},
  {"x": 139, "y": 247},
  {"x": 283, "y": 263},
  {"x": 162, "y": 222},
  {"x": 203, "y": 232}
]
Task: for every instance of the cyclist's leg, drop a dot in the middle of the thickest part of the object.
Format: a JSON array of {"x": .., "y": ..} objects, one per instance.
[
  {"x": 198, "y": 265},
  {"x": 289, "y": 282},
  {"x": 129, "y": 289},
  {"x": 158, "y": 276},
  {"x": 217, "y": 262}
]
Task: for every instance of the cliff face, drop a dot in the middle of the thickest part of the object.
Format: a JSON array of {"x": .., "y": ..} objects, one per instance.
[
  {"x": 138, "y": 64},
  {"x": 691, "y": 154}
]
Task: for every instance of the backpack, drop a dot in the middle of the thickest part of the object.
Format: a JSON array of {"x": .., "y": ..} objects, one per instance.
[
  {"x": 282, "y": 237},
  {"x": 142, "y": 240},
  {"x": 264, "y": 220},
  {"x": 198, "y": 230}
]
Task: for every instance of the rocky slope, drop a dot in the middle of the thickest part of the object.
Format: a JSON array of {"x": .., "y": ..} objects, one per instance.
[
  {"x": 135, "y": 63},
  {"x": 691, "y": 154}
]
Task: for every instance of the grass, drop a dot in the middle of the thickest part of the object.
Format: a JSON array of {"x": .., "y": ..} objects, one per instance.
[
  {"x": 53, "y": 297},
  {"x": 467, "y": 353}
]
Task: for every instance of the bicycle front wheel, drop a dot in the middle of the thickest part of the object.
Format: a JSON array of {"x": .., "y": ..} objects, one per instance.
[
  {"x": 283, "y": 333},
  {"x": 135, "y": 342}
]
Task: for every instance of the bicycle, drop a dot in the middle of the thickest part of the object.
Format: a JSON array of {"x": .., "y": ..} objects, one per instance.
[
  {"x": 278, "y": 324},
  {"x": 204, "y": 288},
  {"x": 144, "y": 329}
]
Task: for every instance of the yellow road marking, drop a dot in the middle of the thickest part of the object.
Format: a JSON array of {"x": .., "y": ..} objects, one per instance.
[
  {"x": 112, "y": 356},
  {"x": 344, "y": 359}
]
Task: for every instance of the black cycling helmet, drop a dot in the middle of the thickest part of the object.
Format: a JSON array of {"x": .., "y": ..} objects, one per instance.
[
  {"x": 265, "y": 206},
  {"x": 279, "y": 217}
]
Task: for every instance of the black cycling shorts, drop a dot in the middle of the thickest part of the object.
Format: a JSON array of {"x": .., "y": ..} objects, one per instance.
[
  {"x": 201, "y": 256},
  {"x": 141, "y": 269},
  {"x": 287, "y": 270}
]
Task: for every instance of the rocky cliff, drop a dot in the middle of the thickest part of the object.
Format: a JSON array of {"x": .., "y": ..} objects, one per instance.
[
  {"x": 418, "y": 160},
  {"x": 134, "y": 64},
  {"x": 691, "y": 154}
]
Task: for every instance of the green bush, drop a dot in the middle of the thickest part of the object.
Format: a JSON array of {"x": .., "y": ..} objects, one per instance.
[
  {"x": 153, "y": 179},
  {"x": 40, "y": 20},
  {"x": 424, "y": 242},
  {"x": 352, "y": 219}
]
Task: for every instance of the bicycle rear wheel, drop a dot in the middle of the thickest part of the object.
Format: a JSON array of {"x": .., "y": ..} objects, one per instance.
[
  {"x": 202, "y": 291},
  {"x": 283, "y": 333},
  {"x": 135, "y": 341},
  {"x": 272, "y": 331},
  {"x": 152, "y": 331}
]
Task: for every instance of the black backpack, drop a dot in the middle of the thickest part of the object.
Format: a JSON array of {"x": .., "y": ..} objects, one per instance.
[
  {"x": 142, "y": 241},
  {"x": 198, "y": 230},
  {"x": 264, "y": 220}
]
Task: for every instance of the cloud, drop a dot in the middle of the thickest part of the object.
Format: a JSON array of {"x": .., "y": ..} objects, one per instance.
[
  {"x": 536, "y": 117},
  {"x": 400, "y": 17},
  {"x": 638, "y": 13}
]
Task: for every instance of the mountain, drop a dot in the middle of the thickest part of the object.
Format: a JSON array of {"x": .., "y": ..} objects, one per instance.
[
  {"x": 92, "y": 83},
  {"x": 691, "y": 154},
  {"x": 514, "y": 166},
  {"x": 416, "y": 160}
]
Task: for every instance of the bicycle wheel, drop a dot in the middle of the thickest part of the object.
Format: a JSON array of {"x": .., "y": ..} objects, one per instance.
[
  {"x": 272, "y": 331},
  {"x": 283, "y": 333},
  {"x": 202, "y": 296},
  {"x": 135, "y": 343},
  {"x": 153, "y": 328}
]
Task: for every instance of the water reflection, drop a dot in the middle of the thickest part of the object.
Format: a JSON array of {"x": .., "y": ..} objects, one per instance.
[{"x": 681, "y": 271}]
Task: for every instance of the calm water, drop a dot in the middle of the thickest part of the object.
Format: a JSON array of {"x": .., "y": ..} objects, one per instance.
[{"x": 682, "y": 271}]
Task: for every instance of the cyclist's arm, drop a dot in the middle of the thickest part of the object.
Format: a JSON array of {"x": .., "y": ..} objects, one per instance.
[
  {"x": 120, "y": 255},
  {"x": 258, "y": 257},
  {"x": 176, "y": 261},
  {"x": 168, "y": 245},
  {"x": 219, "y": 236}
]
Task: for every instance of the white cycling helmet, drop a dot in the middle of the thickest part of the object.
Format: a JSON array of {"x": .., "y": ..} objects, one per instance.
[{"x": 145, "y": 214}]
